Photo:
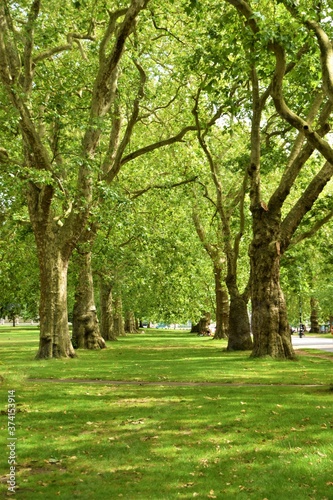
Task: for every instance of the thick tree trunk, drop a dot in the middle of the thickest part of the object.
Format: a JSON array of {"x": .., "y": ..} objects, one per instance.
[
  {"x": 106, "y": 304},
  {"x": 130, "y": 323},
  {"x": 270, "y": 327},
  {"x": 54, "y": 332},
  {"x": 55, "y": 243},
  {"x": 222, "y": 306},
  {"x": 239, "y": 333},
  {"x": 86, "y": 333},
  {"x": 314, "y": 315}
]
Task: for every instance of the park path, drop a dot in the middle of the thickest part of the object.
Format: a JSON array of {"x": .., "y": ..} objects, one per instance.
[
  {"x": 165, "y": 383},
  {"x": 323, "y": 344}
]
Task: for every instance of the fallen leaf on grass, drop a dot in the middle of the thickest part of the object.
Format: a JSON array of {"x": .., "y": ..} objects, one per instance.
[
  {"x": 133, "y": 422},
  {"x": 52, "y": 461},
  {"x": 212, "y": 494},
  {"x": 187, "y": 485},
  {"x": 42, "y": 483},
  {"x": 146, "y": 438}
]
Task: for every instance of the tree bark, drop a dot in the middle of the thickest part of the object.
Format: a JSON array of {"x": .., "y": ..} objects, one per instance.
[
  {"x": 202, "y": 327},
  {"x": 118, "y": 320},
  {"x": 54, "y": 332},
  {"x": 130, "y": 322},
  {"x": 106, "y": 304},
  {"x": 86, "y": 332},
  {"x": 270, "y": 327},
  {"x": 222, "y": 305},
  {"x": 314, "y": 315},
  {"x": 239, "y": 332}
]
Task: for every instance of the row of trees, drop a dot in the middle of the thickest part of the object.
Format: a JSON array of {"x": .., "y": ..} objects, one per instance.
[{"x": 205, "y": 121}]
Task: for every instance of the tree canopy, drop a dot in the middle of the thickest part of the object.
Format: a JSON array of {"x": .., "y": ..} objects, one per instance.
[{"x": 187, "y": 146}]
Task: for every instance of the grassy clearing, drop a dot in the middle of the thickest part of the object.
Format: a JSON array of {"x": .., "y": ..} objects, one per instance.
[{"x": 97, "y": 441}]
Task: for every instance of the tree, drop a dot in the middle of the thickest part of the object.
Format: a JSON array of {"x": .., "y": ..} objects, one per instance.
[
  {"x": 227, "y": 243},
  {"x": 146, "y": 252},
  {"x": 221, "y": 294},
  {"x": 59, "y": 189},
  {"x": 157, "y": 104},
  {"x": 274, "y": 223}
]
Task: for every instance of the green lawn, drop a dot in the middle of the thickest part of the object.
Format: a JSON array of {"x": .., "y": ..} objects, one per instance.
[{"x": 265, "y": 432}]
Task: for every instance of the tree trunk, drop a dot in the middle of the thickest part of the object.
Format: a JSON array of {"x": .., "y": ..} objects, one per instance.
[
  {"x": 270, "y": 327},
  {"x": 54, "y": 332},
  {"x": 86, "y": 333},
  {"x": 118, "y": 321},
  {"x": 314, "y": 315},
  {"x": 222, "y": 305},
  {"x": 202, "y": 328},
  {"x": 239, "y": 333},
  {"x": 130, "y": 322},
  {"x": 105, "y": 297}
]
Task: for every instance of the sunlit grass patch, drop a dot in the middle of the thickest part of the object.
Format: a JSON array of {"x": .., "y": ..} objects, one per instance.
[{"x": 270, "y": 439}]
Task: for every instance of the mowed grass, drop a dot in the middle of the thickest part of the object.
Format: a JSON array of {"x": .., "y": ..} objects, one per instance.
[{"x": 266, "y": 433}]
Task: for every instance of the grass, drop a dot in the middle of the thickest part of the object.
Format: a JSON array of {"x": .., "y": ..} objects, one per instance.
[{"x": 265, "y": 433}]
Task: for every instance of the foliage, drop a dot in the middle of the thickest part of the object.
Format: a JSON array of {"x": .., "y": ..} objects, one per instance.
[{"x": 146, "y": 242}]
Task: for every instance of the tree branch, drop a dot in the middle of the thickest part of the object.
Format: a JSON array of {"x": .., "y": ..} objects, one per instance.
[
  {"x": 114, "y": 16},
  {"x": 28, "y": 46},
  {"x": 10, "y": 64},
  {"x": 206, "y": 194},
  {"x": 325, "y": 46},
  {"x": 156, "y": 145},
  {"x": 299, "y": 156},
  {"x": 113, "y": 168},
  {"x": 212, "y": 252},
  {"x": 136, "y": 194},
  {"x": 315, "y": 228},
  {"x": 304, "y": 204},
  {"x": 71, "y": 38}
]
